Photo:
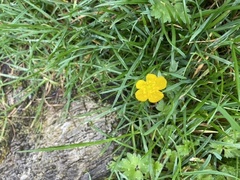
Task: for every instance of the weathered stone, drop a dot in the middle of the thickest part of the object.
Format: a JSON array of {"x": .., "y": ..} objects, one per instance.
[{"x": 83, "y": 123}]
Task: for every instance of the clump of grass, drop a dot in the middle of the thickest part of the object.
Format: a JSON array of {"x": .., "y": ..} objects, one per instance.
[{"x": 82, "y": 46}]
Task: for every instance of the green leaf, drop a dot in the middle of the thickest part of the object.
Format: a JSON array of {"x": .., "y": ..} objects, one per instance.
[
  {"x": 157, "y": 169},
  {"x": 160, "y": 106},
  {"x": 228, "y": 145},
  {"x": 132, "y": 174},
  {"x": 133, "y": 166},
  {"x": 231, "y": 152},
  {"x": 172, "y": 159},
  {"x": 228, "y": 169},
  {"x": 173, "y": 66},
  {"x": 170, "y": 11},
  {"x": 205, "y": 177},
  {"x": 216, "y": 148},
  {"x": 159, "y": 11},
  {"x": 183, "y": 150}
]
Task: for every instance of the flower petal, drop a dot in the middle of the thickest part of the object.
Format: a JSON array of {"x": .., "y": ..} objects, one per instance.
[
  {"x": 141, "y": 84},
  {"x": 161, "y": 83},
  {"x": 155, "y": 96},
  {"x": 141, "y": 95},
  {"x": 151, "y": 78}
]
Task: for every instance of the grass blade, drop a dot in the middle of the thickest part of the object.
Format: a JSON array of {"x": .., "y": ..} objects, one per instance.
[{"x": 226, "y": 115}]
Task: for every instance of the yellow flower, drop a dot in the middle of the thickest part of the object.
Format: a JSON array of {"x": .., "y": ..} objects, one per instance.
[{"x": 150, "y": 89}]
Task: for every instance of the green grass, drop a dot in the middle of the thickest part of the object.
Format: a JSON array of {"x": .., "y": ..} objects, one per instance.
[{"x": 103, "y": 47}]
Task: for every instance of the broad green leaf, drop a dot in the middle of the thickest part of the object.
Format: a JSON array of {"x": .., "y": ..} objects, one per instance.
[
  {"x": 158, "y": 169},
  {"x": 160, "y": 11},
  {"x": 170, "y": 11}
]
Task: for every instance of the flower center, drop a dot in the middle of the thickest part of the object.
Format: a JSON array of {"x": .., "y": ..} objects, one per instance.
[{"x": 151, "y": 87}]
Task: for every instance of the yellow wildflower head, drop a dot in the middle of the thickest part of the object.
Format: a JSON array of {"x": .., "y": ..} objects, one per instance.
[{"x": 150, "y": 89}]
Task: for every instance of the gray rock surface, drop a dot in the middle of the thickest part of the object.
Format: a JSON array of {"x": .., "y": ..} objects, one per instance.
[{"x": 83, "y": 123}]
